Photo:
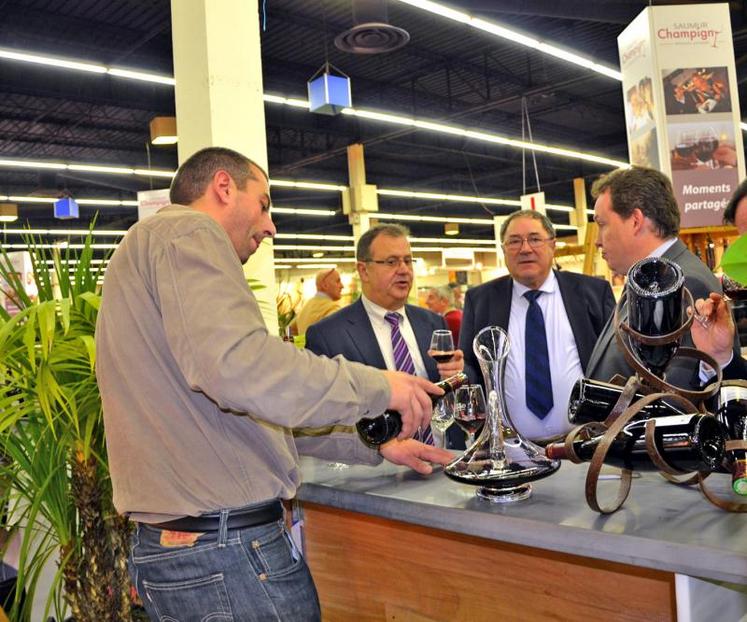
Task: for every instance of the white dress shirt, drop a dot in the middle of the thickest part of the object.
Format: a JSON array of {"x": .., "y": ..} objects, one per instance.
[
  {"x": 383, "y": 331},
  {"x": 565, "y": 365}
]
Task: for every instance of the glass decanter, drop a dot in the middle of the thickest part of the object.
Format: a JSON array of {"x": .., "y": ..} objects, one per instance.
[{"x": 501, "y": 462}]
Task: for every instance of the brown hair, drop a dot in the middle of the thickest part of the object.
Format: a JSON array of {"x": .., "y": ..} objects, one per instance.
[
  {"x": 645, "y": 189},
  {"x": 195, "y": 173}
]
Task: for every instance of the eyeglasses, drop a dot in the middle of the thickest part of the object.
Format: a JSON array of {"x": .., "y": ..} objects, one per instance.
[
  {"x": 392, "y": 262},
  {"x": 514, "y": 244}
]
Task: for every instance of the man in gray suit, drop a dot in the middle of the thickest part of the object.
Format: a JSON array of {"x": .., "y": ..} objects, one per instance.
[{"x": 638, "y": 217}]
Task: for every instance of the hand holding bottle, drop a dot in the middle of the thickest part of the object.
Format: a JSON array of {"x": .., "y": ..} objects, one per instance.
[{"x": 411, "y": 398}]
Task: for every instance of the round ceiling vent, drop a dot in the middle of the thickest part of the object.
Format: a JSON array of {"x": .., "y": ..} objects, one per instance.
[{"x": 372, "y": 38}]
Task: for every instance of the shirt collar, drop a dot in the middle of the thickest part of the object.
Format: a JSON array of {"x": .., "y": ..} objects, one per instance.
[
  {"x": 662, "y": 248},
  {"x": 548, "y": 287},
  {"x": 378, "y": 311}
]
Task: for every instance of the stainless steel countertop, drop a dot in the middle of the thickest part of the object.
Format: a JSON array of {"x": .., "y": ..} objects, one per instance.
[{"x": 661, "y": 525}]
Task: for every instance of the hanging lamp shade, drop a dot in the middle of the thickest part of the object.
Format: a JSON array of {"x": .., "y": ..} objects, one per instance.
[
  {"x": 163, "y": 131},
  {"x": 8, "y": 212}
]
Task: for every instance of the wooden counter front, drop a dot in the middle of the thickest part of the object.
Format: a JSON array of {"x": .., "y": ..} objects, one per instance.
[{"x": 371, "y": 568}]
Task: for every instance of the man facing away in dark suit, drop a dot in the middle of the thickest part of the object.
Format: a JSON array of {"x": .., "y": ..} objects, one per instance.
[
  {"x": 572, "y": 308},
  {"x": 638, "y": 217},
  {"x": 364, "y": 331}
]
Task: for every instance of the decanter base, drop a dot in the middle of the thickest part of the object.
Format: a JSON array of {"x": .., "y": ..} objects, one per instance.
[{"x": 505, "y": 495}]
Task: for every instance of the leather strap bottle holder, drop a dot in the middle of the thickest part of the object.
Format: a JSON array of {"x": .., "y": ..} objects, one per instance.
[
  {"x": 622, "y": 328},
  {"x": 615, "y": 424}
]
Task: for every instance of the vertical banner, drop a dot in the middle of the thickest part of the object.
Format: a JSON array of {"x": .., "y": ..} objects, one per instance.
[
  {"x": 150, "y": 201},
  {"x": 695, "y": 107}
]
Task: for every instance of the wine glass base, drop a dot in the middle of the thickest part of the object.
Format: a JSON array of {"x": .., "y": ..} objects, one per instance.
[{"x": 504, "y": 495}]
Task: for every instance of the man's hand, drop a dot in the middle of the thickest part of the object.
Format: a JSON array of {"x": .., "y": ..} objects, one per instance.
[
  {"x": 415, "y": 454},
  {"x": 454, "y": 366},
  {"x": 410, "y": 397},
  {"x": 713, "y": 328}
]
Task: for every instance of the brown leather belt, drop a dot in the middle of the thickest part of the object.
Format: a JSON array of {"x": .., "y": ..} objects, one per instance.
[{"x": 237, "y": 519}]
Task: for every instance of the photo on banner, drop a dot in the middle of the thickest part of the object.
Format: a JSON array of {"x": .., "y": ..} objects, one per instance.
[
  {"x": 644, "y": 151},
  {"x": 701, "y": 90}
]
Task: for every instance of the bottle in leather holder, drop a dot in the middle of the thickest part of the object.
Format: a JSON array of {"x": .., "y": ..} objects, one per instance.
[
  {"x": 732, "y": 413},
  {"x": 593, "y": 400},
  {"x": 694, "y": 442}
]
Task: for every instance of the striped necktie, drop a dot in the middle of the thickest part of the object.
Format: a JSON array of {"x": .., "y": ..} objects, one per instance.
[{"x": 403, "y": 362}]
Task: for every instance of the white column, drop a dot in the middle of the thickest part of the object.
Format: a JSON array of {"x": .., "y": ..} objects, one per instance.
[{"x": 218, "y": 71}]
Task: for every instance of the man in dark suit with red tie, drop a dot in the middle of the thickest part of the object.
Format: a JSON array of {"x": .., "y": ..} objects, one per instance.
[{"x": 380, "y": 329}]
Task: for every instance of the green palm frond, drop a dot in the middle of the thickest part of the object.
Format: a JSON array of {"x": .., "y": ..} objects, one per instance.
[{"x": 52, "y": 447}]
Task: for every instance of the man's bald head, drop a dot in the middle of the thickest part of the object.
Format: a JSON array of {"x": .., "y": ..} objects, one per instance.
[{"x": 329, "y": 282}]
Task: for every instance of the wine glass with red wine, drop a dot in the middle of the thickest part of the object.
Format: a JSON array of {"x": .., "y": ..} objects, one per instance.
[
  {"x": 442, "y": 346},
  {"x": 470, "y": 410}
]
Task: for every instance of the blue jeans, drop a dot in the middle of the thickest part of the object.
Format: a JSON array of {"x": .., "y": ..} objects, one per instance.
[{"x": 229, "y": 575}]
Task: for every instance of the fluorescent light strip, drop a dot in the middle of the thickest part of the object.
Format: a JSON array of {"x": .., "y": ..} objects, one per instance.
[
  {"x": 743, "y": 125},
  {"x": 484, "y": 136},
  {"x": 95, "y": 262},
  {"x": 281, "y": 183},
  {"x": 282, "y": 260},
  {"x": 64, "y": 245},
  {"x": 64, "y": 63},
  {"x": 432, "y": 7},
  {"x": 95, "y": 232},
  {"x": 514, "y": 36},
  {"x": 305, "y": 185},
  {"x": 302, "y": 211},
  {"x": 454, "y": 240},
  {"x": 460, "y": 198},
  {"x": 296, "y": 247},
  {"x": 311, "y": 266},
  {"x": 90, "y": 168},
  {"x": 313, "y": 236},
  {"x": 128, "y": 203}
]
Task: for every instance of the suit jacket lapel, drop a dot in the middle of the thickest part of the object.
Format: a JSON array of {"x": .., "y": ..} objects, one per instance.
[
  {"x": 501, "y": 303},
  {"x": 362, "y": 336}
]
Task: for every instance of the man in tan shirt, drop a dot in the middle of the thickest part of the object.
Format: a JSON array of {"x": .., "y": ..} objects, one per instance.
[
  {"x": 324, "y": 303},
  {"x": 200, "y": 402}
]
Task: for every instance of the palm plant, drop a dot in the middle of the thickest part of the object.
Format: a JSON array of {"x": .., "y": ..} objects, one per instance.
[{"x": 54, "y": 463}]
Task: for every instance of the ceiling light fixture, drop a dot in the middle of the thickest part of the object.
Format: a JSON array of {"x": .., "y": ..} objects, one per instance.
[
  {"x": 484, "y": 137},
  {"x": 514, "y": 36},
  {"x": 451, "y": 228},
  {"x": 163, "y": 131},
  {"x": 90, "y": 168},
  {"x": 8, "y": 212},
  {"x": 318, "y": 254},
  {"x": 65, "y": 63}
]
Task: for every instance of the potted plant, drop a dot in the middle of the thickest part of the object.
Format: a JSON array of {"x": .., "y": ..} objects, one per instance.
[{"x": 54, "y": 463}]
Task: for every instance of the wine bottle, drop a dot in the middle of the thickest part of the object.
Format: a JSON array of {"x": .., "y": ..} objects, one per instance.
[
  {"x": 732, "y": 413},
  {"x": 692, "y": 442},
  {"x": 375, "y": 431},
  {"x": 593, "y": 400}
]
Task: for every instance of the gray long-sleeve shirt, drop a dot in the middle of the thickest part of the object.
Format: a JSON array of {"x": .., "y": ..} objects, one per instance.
[{"x": 199, "y": 400}]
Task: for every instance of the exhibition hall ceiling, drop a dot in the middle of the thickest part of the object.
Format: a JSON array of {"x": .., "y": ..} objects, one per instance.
[{"x": 448, "y": 72}]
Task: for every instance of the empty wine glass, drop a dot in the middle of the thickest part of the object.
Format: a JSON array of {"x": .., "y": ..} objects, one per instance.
[
  {"x": 442, "y": 346},
  {"x": 443, "y": 415},
  {"x": 470, "y": 410}
]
